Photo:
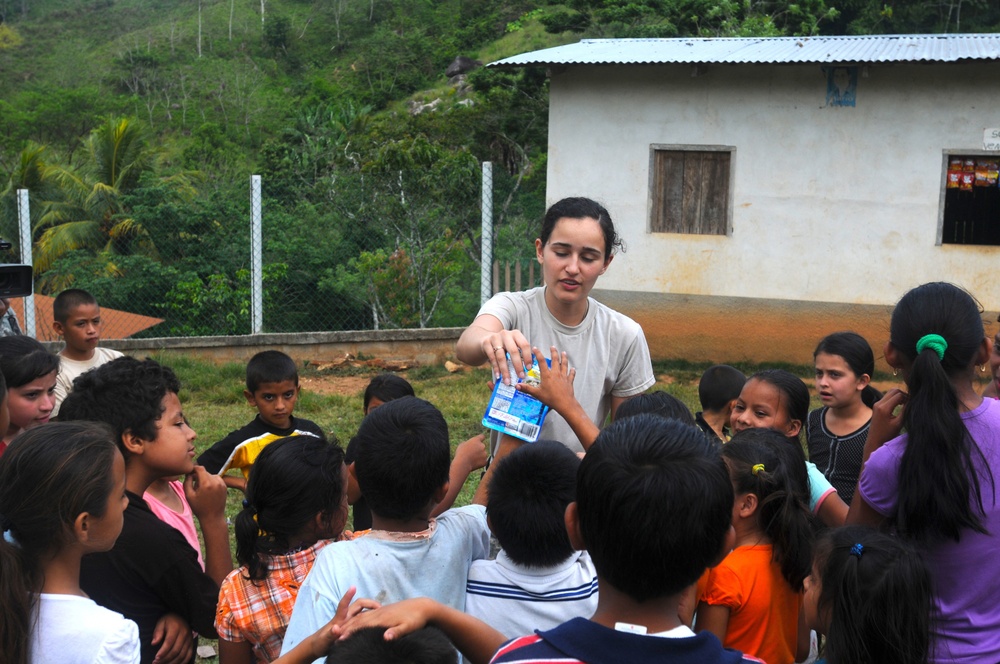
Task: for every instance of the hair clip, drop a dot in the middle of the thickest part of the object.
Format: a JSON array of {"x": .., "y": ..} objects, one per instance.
[
  {"x": 857, "y": 550},
  {"x": 757, "y": 468},
  {"x": 246, "y": 503}
]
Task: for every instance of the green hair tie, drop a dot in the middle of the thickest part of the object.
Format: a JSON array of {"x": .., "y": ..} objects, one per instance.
[{"x": 933, "y": 341}]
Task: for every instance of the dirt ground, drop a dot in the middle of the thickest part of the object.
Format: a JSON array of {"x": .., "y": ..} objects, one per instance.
[{"x": 333, "y": 384}]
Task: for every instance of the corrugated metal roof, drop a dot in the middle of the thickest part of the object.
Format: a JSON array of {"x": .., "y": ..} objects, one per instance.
[{"x": 766, "y": 50}]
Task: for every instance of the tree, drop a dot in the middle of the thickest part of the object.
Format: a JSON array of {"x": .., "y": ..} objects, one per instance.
[{"x": 88, "y": 212}]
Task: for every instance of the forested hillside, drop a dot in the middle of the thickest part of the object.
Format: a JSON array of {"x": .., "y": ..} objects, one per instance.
[{"x": 135, "y": 125}]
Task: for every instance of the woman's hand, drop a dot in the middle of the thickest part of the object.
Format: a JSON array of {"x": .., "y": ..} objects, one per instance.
[{"x": 497, "y": 345}]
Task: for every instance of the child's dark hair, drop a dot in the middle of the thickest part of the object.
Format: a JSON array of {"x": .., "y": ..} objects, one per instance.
[
  {"x": 582, "y": 208},
  {"x": 49, "y": 475},
  {"x": 719, "y": 385},
  {"x": 939, "y": 485},
  {"x": 857, "y": 354},
  {"x": 877, "y": 592},
  {"x": 386, "y": 387},
  {"x": 403, "y": 457},
  {"x": 656, "y": 403},
  {"x": 762, "y": 462},
  {"x": 22, "y": 360},
  {"x": 68, "y": 300},
  {"x": 646, "y": 461},
  {"x": 270, "y": 366},
  {"x": 292, "y": 480},
  {"x": 126, "y": 393},
  {"x": 794, "y": 395},
  {"x": 369, "y": 646},
  {"x": 528, "y": 495}
]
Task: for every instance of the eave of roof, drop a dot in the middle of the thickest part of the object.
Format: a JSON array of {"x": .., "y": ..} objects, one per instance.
[{"x": 766, "y": 50}]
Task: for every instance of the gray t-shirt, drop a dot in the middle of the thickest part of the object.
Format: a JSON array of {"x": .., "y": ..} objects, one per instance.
[{"x": 607, "y": 349}]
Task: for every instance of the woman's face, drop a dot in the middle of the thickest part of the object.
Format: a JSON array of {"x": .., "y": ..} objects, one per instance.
[{"x": 572, "y": 259}]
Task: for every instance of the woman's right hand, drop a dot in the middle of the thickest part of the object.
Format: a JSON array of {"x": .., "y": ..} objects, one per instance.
[{"x": 497, "y": 345}]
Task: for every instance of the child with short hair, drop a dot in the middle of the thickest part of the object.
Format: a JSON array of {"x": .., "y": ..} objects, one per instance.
[
  {"x": 936, "y": 483},
  {"x": 718, "y": 390},
  {"x": 272, "y": 387},
  {"x": 402, "y": 468},
  {"x": 752, "y": 599},
  {"x": 62, "y": 494},
  {"x": 870, "y": 593},
  {"x": 296, "y": 504},
  {"x": 658, "y": 403},
  {"x": 537, "y": 580},
  {"x": 29, "y": 373},
  {"x": 152, "y": 575},
  {"x": 369, "y": 646},
  {"x": 77, "y": 319},
  {"x": 645, "y": 558}
]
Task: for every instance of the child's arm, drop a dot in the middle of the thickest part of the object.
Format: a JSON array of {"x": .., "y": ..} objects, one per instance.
[
  {"x": 833, "y": 511},
  {"x": 474, "y": 638},
  {"x": 714, "y": 618},
  {"x": 885, "y": 426},
  {"x": 315, "y": 646},
  {"x": 235, "y": 652},
  {"x": 506, "y": 445},
  {"x": 469, "y": 456},
  {"x": 207, "y": 495},
  {"x": 556, "y": 392},
  {"x": 235, "y": 482}
]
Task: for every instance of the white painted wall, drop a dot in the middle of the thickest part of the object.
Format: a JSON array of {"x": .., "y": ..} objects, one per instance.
[{"x": 830, "y": 204}]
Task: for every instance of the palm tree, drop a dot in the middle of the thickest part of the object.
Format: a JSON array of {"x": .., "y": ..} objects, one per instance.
[
  {"x": 32, "y": 172},
  {"x": 89, "y": 213}
]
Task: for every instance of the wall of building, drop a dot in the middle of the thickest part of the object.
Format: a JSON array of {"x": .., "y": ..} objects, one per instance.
[{"x": 832, "y": 205}]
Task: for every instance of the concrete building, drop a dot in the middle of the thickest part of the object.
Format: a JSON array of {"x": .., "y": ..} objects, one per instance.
[{"x": 773, "y": 190}]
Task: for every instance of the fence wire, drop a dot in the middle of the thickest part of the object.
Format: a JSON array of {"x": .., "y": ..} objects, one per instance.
[{"x": 351, "y": 252}]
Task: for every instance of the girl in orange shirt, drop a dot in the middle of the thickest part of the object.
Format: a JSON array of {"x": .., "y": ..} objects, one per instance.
[{"x": 753, "y": 600}]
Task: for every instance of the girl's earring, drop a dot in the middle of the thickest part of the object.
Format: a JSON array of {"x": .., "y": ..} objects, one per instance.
[
  {"x": 982, "y": 368},
  {"x": 895, "y": 371}
]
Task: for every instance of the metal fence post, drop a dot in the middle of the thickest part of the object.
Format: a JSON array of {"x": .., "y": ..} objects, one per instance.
[
  {"x": 256, "y": 259},
  {"x": 24, "y": 242},
  {"x": 486, "y": 256}
]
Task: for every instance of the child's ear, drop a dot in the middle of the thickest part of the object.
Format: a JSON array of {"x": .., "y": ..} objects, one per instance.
[
  {"x": 248, "y": 395},
  {"x": 863, "y": 381},
  {"x": 81, "y": 527},
  {"x": 441, "y": 492},
  {"x": 892, "y": 356},
  {"x": 985, "y": 349},
  {"x": 57, "y": 327},
  {"x": 746, "y": 504},
  {"x": 793, "y": 428},
  {"x": 731, "y": 405},
  {"x": 133, "y": 444},
  {"x": 353, "y": 488},
  {"x": 572, "y": 518}
]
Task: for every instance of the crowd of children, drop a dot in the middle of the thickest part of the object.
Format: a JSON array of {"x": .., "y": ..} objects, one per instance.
[{"x": 663, "y": 535}]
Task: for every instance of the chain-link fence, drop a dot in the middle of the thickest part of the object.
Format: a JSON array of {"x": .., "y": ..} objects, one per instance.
[{"x": 349, "y": 252}]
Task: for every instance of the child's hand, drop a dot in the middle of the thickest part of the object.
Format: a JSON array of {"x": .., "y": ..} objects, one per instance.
[
  {"x": 206, "y": 493},
  {"x": 886, "y": 423},
  {"x": 472, "y": 455},
  {"x": 174, "y": 634},
  {"x": 556, "y": 388},
  {"x": 317, "y": 645},
  {"x": 399, "y": 619}
]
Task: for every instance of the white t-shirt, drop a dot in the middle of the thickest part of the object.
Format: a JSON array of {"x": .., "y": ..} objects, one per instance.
[
  {"x": 607, "y": 349},
  {"x": 70, "y": 369},
  {"x": 389, "y": 567},
  {"x": 76, "y": 630},
  {"x": 516, "y": 600}
]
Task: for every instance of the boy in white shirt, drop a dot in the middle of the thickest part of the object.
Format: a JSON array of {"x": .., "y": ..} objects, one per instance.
[{"x": 78, "y": 322}]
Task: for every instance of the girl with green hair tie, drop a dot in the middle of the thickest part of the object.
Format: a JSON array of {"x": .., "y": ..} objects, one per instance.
[{"x": 936, "y": 484}]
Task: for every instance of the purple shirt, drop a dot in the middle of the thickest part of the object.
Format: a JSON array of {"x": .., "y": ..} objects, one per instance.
[{"x": 966, "y": 581}]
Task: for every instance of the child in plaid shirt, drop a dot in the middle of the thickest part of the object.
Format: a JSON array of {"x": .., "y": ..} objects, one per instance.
[{"x": 296, "y": 502}]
